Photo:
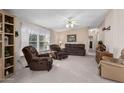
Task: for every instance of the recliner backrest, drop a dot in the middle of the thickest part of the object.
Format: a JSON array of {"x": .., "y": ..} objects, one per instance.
[
  {"x": 29, "y": 53},
  {"x": 55, "y": 47}
]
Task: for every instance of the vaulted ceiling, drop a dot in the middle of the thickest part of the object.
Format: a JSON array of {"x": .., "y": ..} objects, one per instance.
[{"x": 55, "y": 19}]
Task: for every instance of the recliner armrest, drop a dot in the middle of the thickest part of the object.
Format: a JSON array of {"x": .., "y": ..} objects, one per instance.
[
  {"x": 44, "y": 55},
  {"x": 37, "y": 59}
]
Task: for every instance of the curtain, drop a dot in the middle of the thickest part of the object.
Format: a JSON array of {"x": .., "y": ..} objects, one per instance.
[{"x": 27, "y": 29}]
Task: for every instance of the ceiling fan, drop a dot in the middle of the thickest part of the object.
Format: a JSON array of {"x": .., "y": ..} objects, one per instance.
[{"x": 70, "y": 22}]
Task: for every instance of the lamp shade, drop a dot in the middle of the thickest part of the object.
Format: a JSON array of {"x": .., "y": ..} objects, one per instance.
[{"x": 60, "y": 42}]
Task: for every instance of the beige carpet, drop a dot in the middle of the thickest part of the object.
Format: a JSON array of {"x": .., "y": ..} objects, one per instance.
[{"x": 75, "y": 69}]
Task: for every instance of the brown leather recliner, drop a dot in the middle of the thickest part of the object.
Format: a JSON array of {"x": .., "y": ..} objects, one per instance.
[
  {"x": 35, "y": 61},
  {"x": 58, "y": 53}
]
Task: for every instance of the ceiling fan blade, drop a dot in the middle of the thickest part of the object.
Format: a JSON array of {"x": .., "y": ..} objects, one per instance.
[
  {"x": 75, "y": 22},
  {"x": 69, "y": 20}
]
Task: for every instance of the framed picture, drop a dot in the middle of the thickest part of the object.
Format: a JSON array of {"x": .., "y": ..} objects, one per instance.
[{"x": 71, "y": 38}]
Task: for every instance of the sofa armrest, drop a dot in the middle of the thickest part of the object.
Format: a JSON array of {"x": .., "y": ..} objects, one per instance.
[
  {"x": 111, "y": 59},
  {"x": 112, "y": 64},
  {"x": 105, "y": 53},
  {"x": 44, "y": 55},
  {"x": 108, "y": 54}
]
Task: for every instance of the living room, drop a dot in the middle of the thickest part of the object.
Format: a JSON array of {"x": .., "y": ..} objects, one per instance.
[
  {"x": 75, "y": 39},
  {"x": 59, "y": 46}
]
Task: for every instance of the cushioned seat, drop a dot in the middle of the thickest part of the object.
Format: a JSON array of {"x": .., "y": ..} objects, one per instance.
[
  {"x": 112, "y": 68},
  {"x": 35, "y": 61},
  {"x": 57, "y": 52},
  {"x": 75, "y": 49}
]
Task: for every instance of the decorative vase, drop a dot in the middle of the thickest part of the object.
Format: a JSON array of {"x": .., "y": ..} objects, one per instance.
[{"x": 6, "y": 40}]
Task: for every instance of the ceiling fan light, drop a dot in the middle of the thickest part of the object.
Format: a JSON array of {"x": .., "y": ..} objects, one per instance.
[
  {"x": 72, "y": 25},
  {"x": 67, "y": 25}
]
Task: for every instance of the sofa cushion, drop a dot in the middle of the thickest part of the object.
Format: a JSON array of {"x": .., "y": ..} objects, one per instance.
[{"x": 75, "y": 49}]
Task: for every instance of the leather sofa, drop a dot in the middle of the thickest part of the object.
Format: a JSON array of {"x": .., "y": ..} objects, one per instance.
[
  {"x": 112, "y": 68},
  {"x": 57, "y": 52},
  {"x": 75, "y": 49},
  {"x": 37, "y": 61}
]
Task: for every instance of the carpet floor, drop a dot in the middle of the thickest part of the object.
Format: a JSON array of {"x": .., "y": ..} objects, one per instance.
[{"x": 74, "y": 69}]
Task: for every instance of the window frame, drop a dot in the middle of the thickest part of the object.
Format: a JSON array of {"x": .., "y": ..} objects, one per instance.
[{"x": 38, "y": 42}]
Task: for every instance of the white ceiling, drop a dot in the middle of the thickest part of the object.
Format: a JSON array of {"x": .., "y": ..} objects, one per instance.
[{"x": 55, "y": 19}]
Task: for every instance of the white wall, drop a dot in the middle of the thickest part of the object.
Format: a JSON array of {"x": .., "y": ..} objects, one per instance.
[
  {"x": 114, "y": 38},
  {"x": 81, "y": 34},
  {"x": 18, "y": 39}
]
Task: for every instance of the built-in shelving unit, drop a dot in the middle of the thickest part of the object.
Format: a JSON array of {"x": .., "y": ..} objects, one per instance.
[{"x": 7, "y": 55}]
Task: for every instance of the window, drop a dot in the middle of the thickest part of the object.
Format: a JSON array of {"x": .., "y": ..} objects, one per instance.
[
  {"x": 40, "y": 42},
  {"x": 43, "y": 43},
  {"x": 33, "y": 40},
  {"x": 30, "y": 36}
]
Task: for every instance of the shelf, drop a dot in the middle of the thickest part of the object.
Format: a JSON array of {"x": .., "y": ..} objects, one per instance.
[
  {"x": 1, "y": 50},
  {"x": 7, "y": 76},
  {"x": 9, "y": 67},
  {"x": 9, "y": 28},
  {"x": 9, "y": 45},
  {"x": 42, "y": 42},
  {"x": 33, "y": 41},
  {"x": 7, "y": 36},
  {"x": 9, "y": 19},
  {"x": 9, "y": 33},
  {"x": 9, "y": 71},
  {"x": 9, "y": 57},
  {"x": 8, "y": 23}
]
